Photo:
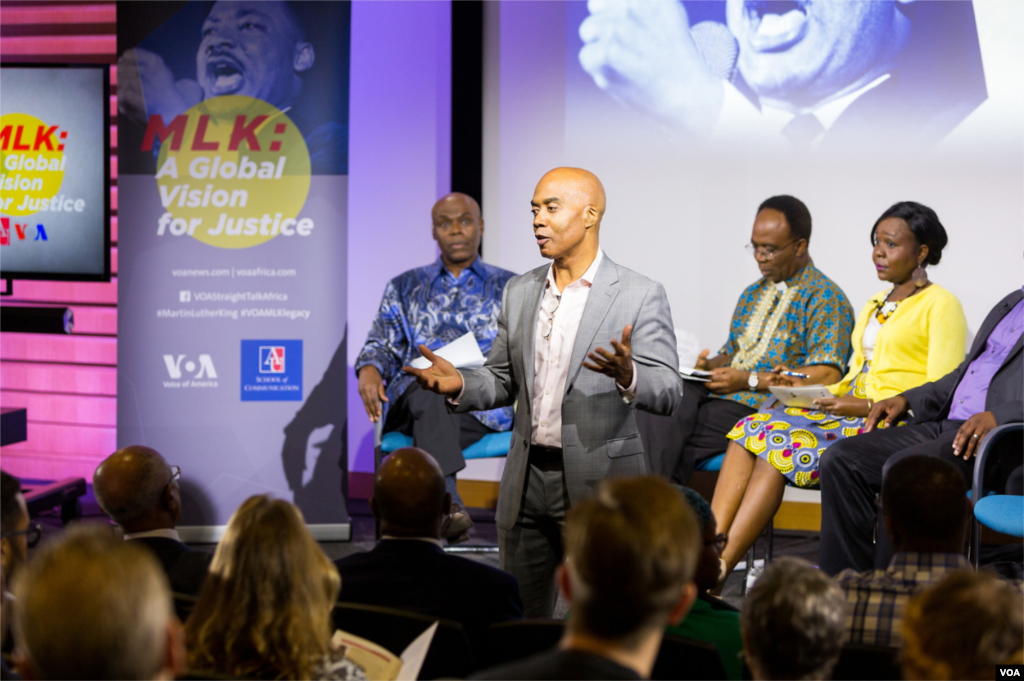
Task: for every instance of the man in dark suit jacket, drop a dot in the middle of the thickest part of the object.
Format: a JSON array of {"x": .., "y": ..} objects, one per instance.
[
  {"x": 950, "y": 417},
  {"x": 139, "y": 491},
  {"x": 408, "y": 569}
]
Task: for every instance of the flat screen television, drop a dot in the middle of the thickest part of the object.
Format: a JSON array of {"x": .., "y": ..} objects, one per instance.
[{"x": 55, "y": 172}]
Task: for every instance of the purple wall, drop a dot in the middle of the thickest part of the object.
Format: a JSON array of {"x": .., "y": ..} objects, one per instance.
[{"x": 399, "y": 162}]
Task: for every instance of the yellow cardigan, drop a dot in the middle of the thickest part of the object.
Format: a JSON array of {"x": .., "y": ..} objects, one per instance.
[{"x": 924, "y": 339}]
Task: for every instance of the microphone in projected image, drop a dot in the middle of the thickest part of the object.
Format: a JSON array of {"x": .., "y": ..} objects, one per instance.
[{"x": 718, "y": 47}]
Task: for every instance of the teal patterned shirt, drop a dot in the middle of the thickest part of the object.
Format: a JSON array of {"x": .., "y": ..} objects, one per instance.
[
  {"x": 428, "y": 306},
  {"x": 810, "y": 323}
]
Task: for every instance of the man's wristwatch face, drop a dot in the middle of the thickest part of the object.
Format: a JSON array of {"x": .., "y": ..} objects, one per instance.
[{"x": 752, "y": 381}]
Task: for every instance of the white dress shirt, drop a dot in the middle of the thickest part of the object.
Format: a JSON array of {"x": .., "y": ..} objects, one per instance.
[{"x": 557, "y": 323}]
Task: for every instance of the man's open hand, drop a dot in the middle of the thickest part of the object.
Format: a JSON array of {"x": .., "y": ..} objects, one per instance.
[
  {"x": 619, "y": 365},
  {"x": 441, "y": 377}
]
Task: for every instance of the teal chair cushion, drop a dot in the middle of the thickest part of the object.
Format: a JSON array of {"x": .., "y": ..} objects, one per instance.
[
  {"x": 711, "y": 465},
  {"x": 1002, "y": 512},
  {"x": 392, "y": 441},
  {"x": 490, "y": 445}
]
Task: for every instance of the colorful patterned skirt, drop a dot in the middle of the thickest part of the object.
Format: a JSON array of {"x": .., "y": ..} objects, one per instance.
[{"x": 793, "y": 439}]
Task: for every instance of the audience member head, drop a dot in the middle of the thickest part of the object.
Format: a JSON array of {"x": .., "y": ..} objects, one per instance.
[
  {"x": 138, "y": 490},
  {"x": 709, "y": 562},
  {"x": 925, "y": 506},
  {"x": 14, "y": 521},
  {"x": 92, "y": 606},
  {"x": 781, "y": 236},
  {"x": 457, "y": 229},
  {"x": 793, "y": 622},
  {"x": 631, "y": 551},
  {"x": 264, "y": 610},
  {"x": 923, "y": 224},
  {"x": 963, "y": 627},
  {"x": 409, "y": 495},
  {"x": 568, "y": 205}
]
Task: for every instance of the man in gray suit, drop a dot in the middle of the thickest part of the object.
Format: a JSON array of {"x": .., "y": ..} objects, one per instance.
[{"x": 572, "y": 428}]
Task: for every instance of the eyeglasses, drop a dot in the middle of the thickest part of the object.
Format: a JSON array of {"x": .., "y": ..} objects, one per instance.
[
  {"x": 719, "y": 541},
  {"x": 551, "y": 317},
  {"x": 767, "y": 252},
  {"x": 175, "y": 474},
  {"x": 33, "y": 533}
]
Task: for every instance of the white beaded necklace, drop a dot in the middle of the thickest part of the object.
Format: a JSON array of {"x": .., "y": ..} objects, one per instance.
[{"x": 761, "y": 329}]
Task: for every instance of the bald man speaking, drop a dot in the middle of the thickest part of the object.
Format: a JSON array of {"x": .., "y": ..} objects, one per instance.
[{"x": 572, "y": 427}]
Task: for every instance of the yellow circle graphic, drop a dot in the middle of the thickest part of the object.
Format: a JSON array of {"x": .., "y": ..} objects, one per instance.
[
  {"x": 239, "y": 176},
  {"x": 32, "y": 163}
]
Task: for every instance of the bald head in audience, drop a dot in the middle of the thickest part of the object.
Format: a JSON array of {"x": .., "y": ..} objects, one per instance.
[
  {"x": 132, "y": 486},
  {"x": 90, "y": 606},
  {"x": 409, "y": 495}
]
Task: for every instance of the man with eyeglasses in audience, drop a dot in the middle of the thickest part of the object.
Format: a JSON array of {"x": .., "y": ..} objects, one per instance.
[
  {"x": 137, "y": 488},
  {"x": 17, "y": 535},
  {"x": 793, "y": 318}
]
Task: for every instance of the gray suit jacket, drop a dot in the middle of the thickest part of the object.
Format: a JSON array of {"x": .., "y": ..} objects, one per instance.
[
  {"x": 599, "y": 433},
  {"x": 1005, "y": 398}
]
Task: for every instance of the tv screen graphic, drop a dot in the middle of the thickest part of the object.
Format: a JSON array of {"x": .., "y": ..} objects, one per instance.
[{"x": 55, "y": 172}]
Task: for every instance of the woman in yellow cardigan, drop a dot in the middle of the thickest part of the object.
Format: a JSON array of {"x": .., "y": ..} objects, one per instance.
[{"x": 907, "y": 335}]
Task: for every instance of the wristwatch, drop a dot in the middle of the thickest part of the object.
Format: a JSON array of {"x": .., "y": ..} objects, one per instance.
[{"x": 752, "y": 381}]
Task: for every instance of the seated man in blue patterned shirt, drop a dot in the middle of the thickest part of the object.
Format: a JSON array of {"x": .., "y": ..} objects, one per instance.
[
  {"x": 434, "y": 305},
  {"x": 793, "y": 315}
]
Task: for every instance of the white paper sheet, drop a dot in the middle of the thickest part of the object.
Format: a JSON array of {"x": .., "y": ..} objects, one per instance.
[
  {"x": 463, "y": 352},
  {"x": 688, "y": 348},
  {"x": 414, "y": 654},
  {"x": 800, "y": 396}
]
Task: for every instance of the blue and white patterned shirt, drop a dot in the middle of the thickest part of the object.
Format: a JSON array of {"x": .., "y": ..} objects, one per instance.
[{"x": 430, "y": 306}]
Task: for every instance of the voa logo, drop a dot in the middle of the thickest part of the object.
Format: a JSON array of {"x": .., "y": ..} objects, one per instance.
[{"x": 185, "y": 372}]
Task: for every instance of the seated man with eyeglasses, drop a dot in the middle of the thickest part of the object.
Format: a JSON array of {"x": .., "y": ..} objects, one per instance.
[
  {"x": 793, "y": 316},
  {"x": 139, "y": 491}
]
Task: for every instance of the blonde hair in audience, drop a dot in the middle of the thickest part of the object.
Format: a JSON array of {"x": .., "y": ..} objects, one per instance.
[
  {"x": 264, "y": 610},
  {"x": 90, "y": 605},
  {"x": 963, "y": 627}
]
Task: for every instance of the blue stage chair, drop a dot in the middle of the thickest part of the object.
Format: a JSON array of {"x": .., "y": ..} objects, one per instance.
[{"x": 1000, "y": 449}]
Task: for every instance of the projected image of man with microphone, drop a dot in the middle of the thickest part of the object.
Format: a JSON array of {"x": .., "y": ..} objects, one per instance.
[
  {"x": 254, "y": 48},
  {"x": 813, "y": 71}
]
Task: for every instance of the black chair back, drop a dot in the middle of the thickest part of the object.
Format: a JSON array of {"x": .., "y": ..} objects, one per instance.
[
  {"x": 519, "y": 639},
  {"x": 184, "y": 604},
  {"x": 686, "y": 658},
  {"x": 858, "y": 661},
  {"x": 450, "y": 654}
]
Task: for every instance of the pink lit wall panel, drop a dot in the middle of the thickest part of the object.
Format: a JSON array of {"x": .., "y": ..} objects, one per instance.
[
  {"x": 65, "y": 292},
  {"x": 65, "y": 379},
  {"x": 68, "y": 409},
  {"x": 67, "y": 383},
  {"x": 37, "y": 347}
]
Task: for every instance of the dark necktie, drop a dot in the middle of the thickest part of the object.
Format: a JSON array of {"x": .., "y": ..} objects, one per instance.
[{"x": 804, "y": 130}]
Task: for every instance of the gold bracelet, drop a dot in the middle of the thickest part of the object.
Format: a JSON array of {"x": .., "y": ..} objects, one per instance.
[{"x": 871, "y": 403}]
